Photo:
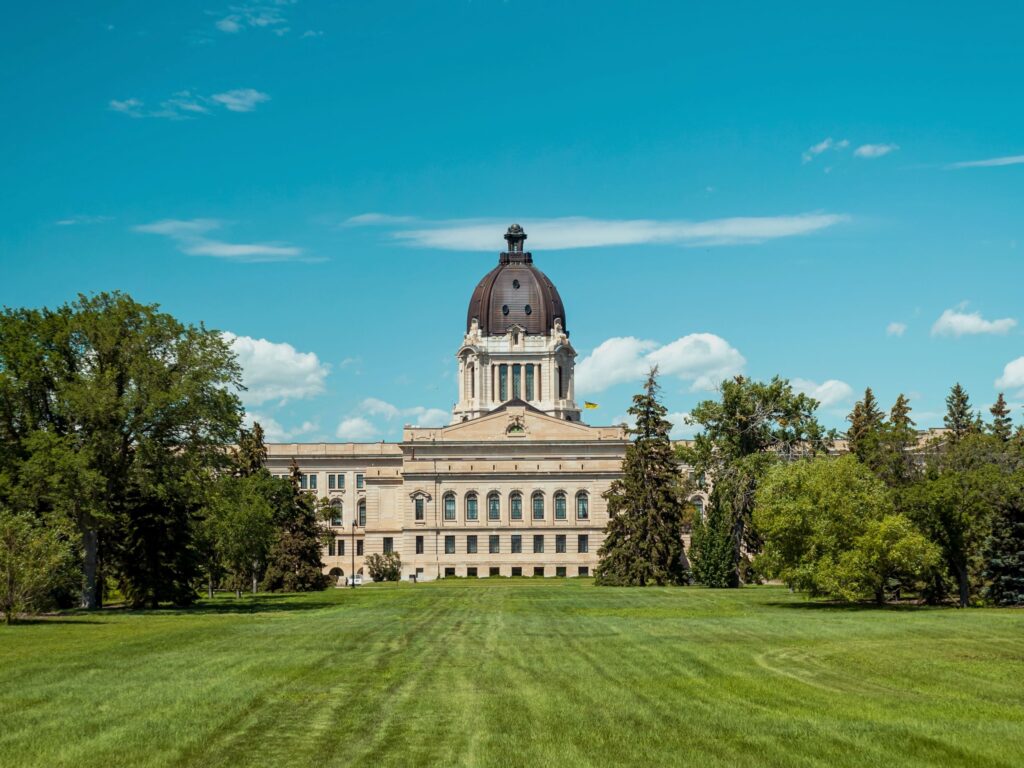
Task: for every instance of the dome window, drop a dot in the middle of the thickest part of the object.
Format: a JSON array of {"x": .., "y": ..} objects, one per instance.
[
  {"x": 529, "y": 309},
  {"x": 515, "y": 284},
  {"x": 504, "y": 309}
]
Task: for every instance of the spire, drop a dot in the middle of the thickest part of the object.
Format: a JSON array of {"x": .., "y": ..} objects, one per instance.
[{"x": 515, "y": 237}]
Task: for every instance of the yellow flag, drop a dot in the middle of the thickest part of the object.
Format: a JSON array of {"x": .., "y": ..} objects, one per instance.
[{"x": 588, "y": 404}]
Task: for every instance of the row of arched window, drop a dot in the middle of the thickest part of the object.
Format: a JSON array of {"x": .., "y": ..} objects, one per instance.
[
  {"x": 538, "y": 508},
  {"x": 338, "y": 518}
]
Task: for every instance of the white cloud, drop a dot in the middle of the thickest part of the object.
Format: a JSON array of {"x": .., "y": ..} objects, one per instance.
[
  {"x": 895, "y": 329},
  {"x": 274, "y": 432},
  {"x": 958, "y": 322},
  {"x": 823, "y": 146},
  {"x": 267, "y": 16},
  {"x": 992, "y": 162},
  {"x": 871, "y": 151},
  {"x": 240, "y": 99},
  {"x": 276, "y": 371},
  {"x": 376, "y": 219},
  {"x": 190, "y": 237},
  {"x": 582, "y": 232},
  {"x": 375, "y": 407},
  {"x": 420, "y": 415},
  {"x": 681, "y": 428},
  {"x": 356, "y": 428},
  {"x": 704, "y": 359},
  {"x": 71, "y": 221},
  {"x": 1013, "y": 375},
  {"x": 828, "y": 393}
]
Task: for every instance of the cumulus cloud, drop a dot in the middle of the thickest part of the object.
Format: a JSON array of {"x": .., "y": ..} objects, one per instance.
[
  {"x": 240, "y": 99},
  {"x": 583, "y": 232},
  {"x": 823, "y": 146},
  {"x": 185, "y": 105},
  {"x": 703, "y": 359},
  {"x": 895, "y": 329},
  {"x": 828, "y": 393},
  {"x": 1013, "y": 375},
  {"x": 274, "y": 432},
  {"x": 992, "y": 162},
  {"x": 267, "y": 16},
  {"x": 277, "y": 371},
  {"x": 682, "y": 429},
  {"x": 356, "y": 428},
  {"x": 958, "y": 322},
  {"x": 190, "y": 236},
  {"x": 871, "y": 151},
  {"x": 420, "y": 416}
]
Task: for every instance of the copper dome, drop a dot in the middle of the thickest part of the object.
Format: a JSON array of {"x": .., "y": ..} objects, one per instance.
[{"x": 515, "y": 293}]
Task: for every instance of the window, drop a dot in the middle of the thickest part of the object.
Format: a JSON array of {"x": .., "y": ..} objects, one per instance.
[
  {"x": 517, "y": 544},
  {"x": 529, "y": 382},
  {"x": 583, "y": 570},
  {"x": 538, "y": 506},
  {"x": 495, "y": 571},
  {"x": 503, "y": 382},
  {"x": 561, "y": 384},
  {"x": 471, "y": 545},
  {"x": 471, "y": 573},
  {"x": 303, "y": 481},
  {"x": 538, "y": 544},
  {"x": 517, "y": 571},
  {"x": 583, "y": 543},
  {"x": 389, "y": 544},
  {"x": 493, "y": 507},
  {"x": 516, "y": 506},
  {"x": 449, "y": 545},
  {"x": 517, "y": 376},
  {"x": 559, "y": 506},
  {"x": 330, "y": 482},
  {"x": 359, "y": 547},
  {"x": 449, "y": 506},
  {"x": 341, "y": 547},
  {"x": 312, "y": 482},
  {"x": 335, "y": 481},
  {"x": 560, "y": 571},
  {"x": 582, "y": 506},
  {"x": 362, "y": 513},
  {"x": 359, "y": 481},
  {"x": 494, "y": 544},
  {"x": 538, "y": 570},
  {"x": 560, "y": 543},
  {"x": 337, "y": 519},
  {"x": 449, "y": 573},
  {"x": 528, "y": 309},
  {"x": 330, "y": 549},
  {"x": 340, "y": 481},
  {"x": 419, "y": 545},
  {"x": 471, "y": 507},
  {"x": 419, "y": 509}
]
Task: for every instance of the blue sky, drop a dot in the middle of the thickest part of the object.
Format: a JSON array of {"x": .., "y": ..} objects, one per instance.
[{"x": 831, "y": 195}]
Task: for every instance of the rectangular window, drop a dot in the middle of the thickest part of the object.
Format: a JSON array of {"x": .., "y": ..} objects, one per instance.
[
  {"x": 540, "y": 387},
  {"x": 583, "y": 543},
  {"x": 419, "y": 545},
  {"x": 494, "y": 544},
  {"x": 471, "y": 545},
  {"x": 538, "y": 570},
  {"x": 495, "y": 571},
  {"x": 516, "y": 507},
  {"x": 538, "y": 507},
  {"x": 584, "y": 570},
  {"x": 560, "y": 543},
  {"x": 341, "y": 481},
  {"x": 419, "y": 509},
  {"x": 312, "y": 482},
  {"x": 471, "y": 573},
  {"x": 449, "y": 507},
  {"x": 582, "y": 507},
  {"x": 389, "y": 544},
  {"x": 359, "y": 481},
  {"x": 303, "y": 482},
  {"x": 330, "y": 482},
  {"x": 529, "y": 382},
  {"x": 471, "y": 508},
  {"x": 359, "y": 547},
  {"x": 517, "y": 571},
  {"x": 538, "y": 544},
  {"x": 493, "y": 508},
  {"x": 560, "y": 571},
  {"x": 516, "y": 380},
  {"x": 341, "y": 547},
  {"x": 449, "y": 573},
  {"x": 560, "y": 507},
  {"x": 449, "y": 545},
  {"x": 330, "y": 549},
  {"x": 503, "y": 382},
  {"x": 336, "y": 519},
  {"x": 362, "y": 514},
  {"x": 517, "y": 544}
]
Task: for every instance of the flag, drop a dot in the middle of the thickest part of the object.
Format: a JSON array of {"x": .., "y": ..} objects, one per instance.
[{"x": 588, "y": 404}]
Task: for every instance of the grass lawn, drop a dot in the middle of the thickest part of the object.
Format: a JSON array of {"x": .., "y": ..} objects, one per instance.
[{"x": 516, "y": 672}]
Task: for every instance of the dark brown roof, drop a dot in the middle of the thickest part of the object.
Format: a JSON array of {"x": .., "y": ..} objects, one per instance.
[{"x": 515, "y": 293}]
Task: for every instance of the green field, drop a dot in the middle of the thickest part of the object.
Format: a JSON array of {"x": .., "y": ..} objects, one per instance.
[{"x": 516, "y": 672}]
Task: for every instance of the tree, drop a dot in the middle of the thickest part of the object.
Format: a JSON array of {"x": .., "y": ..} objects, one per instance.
[
  {"x": 33, "y": 562},
  {"x": 643, "y": 540},
  {"x": 890, "y": 556},
  {"x": 1002, "y": 423},
  {"x": 958, "y": 419},
  {"x": 711, "y": 550},
  {"x": 294, "y": 562},
  {"x": 900, "y": 440},
  {"x": 386, "y": 567},
  {"x": 744, "y": 433},
  {"x": 866, "y": 423},
  {"x": 1004, "y": 549}
]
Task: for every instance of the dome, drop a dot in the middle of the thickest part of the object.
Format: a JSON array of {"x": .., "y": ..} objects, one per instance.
[{"x": 515, "y": 293}]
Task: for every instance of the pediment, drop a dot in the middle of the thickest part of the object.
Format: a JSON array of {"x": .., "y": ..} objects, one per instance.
[{"x": 516, "y": 423}]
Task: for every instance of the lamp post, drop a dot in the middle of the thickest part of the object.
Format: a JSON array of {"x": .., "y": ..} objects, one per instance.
[{"x": 352, "y": 578}]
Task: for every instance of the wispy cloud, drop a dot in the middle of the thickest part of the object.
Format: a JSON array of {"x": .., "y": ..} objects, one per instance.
[
  {"x": 191, "y": 237},
  {"x": 376, "y": 219},
  {"x": 895, "y": 329},
  {"x": 71, "y": 221},
  {"x": 582, "y": 232},
  {"x": 364, "y": 423},
  {"x": 274, "y": 431},
  {"x": 823, "y": 146},
  {"x": 268, "y": 16},
  {"x": 992, "y": 162},
  {"x": 958, "y": 322},
  {"x": 871, "y": 151},
  {"x": 186, "y": 105}
]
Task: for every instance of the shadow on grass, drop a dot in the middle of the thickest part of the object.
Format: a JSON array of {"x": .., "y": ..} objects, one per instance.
[
  {"x": 821, "y": 605},
  {"x": 37, "y": 620},
  {"x": 292, "y": 602}
]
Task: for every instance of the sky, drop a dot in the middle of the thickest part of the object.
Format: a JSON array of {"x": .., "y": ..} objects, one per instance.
[{"x": 829, "y": 194}]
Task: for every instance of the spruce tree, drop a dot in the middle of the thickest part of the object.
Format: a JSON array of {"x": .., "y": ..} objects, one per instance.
[
  {"x": 958, "y": 419},
  {"x": 711, "y": 549},
  {"x": 294, "y": 562},
  {"x": 643, "y": 541},
  {"x": 865, "y": 423},
  {"x": 901, "y": 439},
  {"x": 1004, "y": 552},
  {"x": 1002, "y": 424}
]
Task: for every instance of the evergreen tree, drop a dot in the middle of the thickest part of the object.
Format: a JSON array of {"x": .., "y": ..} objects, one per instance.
[
  {"x": 899, "y": 415},
  {"x": 294, "y": 562},
  {"x": 900, "y": 440},
  {"x": 711, "y": 550},
  {"x": 643, "y": 541},
  {"x": 251, "y": 453},
  {"x": 1004, "y": 551},
  {"x": 864, "y": 435},
  {"x": 1002, "y": 424},
  {"x": 958, "y": 419}
]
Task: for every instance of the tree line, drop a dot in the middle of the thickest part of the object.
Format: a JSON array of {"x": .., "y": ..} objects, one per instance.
[
  {"x": 115, "y": 472},
  {"x": 938, "y": 518}
]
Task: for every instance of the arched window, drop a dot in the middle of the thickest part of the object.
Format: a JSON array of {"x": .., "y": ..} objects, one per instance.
[
  {"x": 515, "y": 505},
  {"x": 559, "y": 506},
  {"x": 449, "y": 506},
  {"x": 493, "y": 507},
  {"x": 582, "y": 506},
  {"x": 538, "y": 506},
  {"x": 362, "y": 513},
  {"x": 698, "y": 505},
  {"x": 337, "y": 519},
  {"x": 471, "y": 510}
]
